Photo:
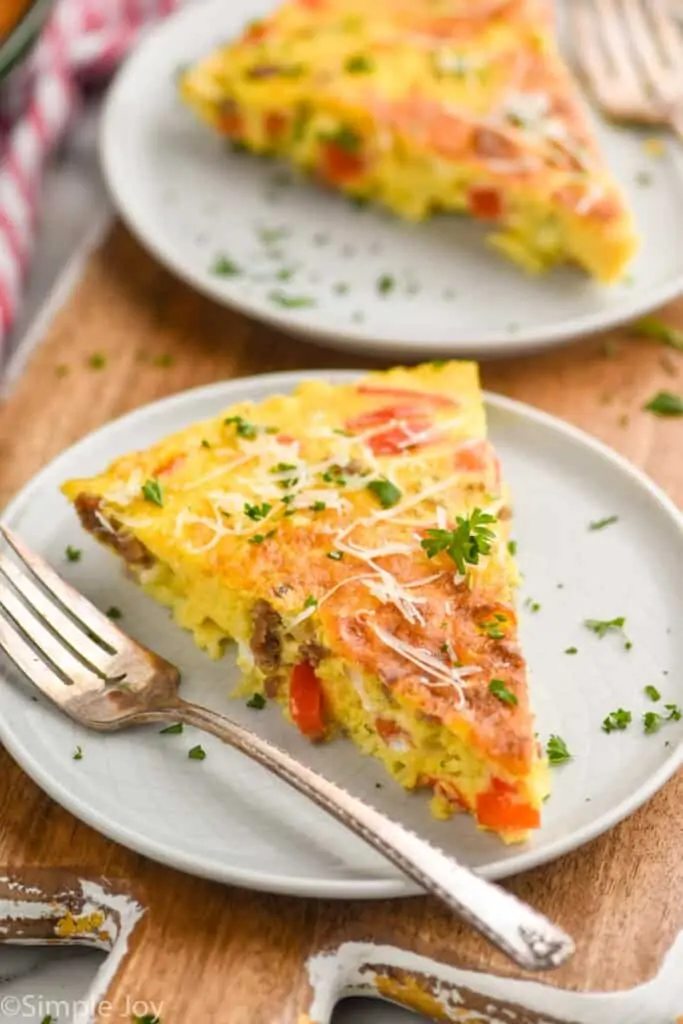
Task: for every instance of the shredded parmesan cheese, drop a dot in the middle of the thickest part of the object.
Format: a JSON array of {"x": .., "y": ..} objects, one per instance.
[{"x": 438, "y": 672}]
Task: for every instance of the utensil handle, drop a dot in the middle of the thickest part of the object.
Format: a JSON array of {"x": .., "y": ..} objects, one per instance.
[{"x": 522, "y": 933}]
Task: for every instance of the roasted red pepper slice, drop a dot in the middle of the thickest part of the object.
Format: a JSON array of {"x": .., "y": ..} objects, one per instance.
[
  {"x": 276, "y": 125},
  {"x": 338, "y": 165},
  {"x": 306, "y": 701},
  {"x": 501, "y": 811},
  {"x": 230, "y": 121},
  {"x": 396, "y": 439},
  {"x": 485, "y": 203},
  {"x": 385, "y": 414},
  {"x": 472, "y": 458}
]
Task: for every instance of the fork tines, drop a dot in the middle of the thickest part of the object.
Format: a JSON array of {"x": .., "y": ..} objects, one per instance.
[
  {"x": 50, "y": 631},
  {"x": 631, "y": 52}
]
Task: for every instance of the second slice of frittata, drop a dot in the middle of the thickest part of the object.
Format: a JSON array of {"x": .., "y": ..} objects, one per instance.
[{"x": 426, "y": 106}]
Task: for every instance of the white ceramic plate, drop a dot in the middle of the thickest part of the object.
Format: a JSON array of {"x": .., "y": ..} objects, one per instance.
[
  {"x": 229, "y": 819},
  {"x": 190, "y": 200}
]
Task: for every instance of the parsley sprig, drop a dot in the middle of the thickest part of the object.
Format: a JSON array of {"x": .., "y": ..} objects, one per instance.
[
  {"x": 464, "y": 545},
  {"x": 665, "y": 403},
  {"x": 617, "y": 720},
  {"x": 498, "y": 688},
  {"x": 557, "y": 751},
  {"x": 257, "y": 512},
  {"x": 151, "y": 491},
  {"x": 600, "y": 524},
  {"x": 601, "y": 627},
  {"x": 242, "y": 428},
  {"x": 653, "y": 327}
]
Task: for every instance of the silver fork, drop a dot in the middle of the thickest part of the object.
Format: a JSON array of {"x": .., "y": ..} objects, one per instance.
[
  {"x": 631, "y": 53},
  {"x": 104, "y": 680}
]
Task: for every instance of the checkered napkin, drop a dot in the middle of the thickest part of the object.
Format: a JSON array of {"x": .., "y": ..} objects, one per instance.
[{"x": 82, "y": 43}]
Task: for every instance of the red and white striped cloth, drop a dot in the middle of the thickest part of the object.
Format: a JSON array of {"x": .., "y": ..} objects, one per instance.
[{"x": 83, "y": 41}]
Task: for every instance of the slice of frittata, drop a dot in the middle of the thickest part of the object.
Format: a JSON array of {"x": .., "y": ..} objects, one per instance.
[
  {"x": 353, "y": 541},
  {"x": 454, "y": 105}
]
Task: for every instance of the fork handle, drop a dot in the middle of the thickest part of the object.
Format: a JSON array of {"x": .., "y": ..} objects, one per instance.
[{"x": 525, "y": 935}]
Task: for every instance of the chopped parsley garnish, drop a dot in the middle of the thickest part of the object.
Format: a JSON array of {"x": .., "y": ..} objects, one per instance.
[
  {"x": 205, "y": 443},
  {"x": 438, "y": 364},
  {"x": 147, "y": 1018},
  {"x": 533, "y": 606},
  {"x": 318, "y": 506},
  {"x": 653, "y": 693},
  {"x": 675, "y": 713},
  {"x": 498, "y": 688},
  {"x": 572, "y": 650},
  {"x": 344, "y": 138},
  {"x": 492, "y": 630},
  {"x": 73, "y": 554},
  {"x": 197, "y": 753},
  {"x": 342, "y": 288},
  {"x": 243, "y": 429},
  {"x": 172, "y": 730},
  {"x": 151, "y": 490},
  {"x": 600, "y": 524},
  {"x": 270, "y": 236},
  {"x": 285, "y": 274},
  {"x": 336, "y": 556},
  {"x": 257, "y": 700},
  {"x": 653, "y": 327},
  {"x": 257, "y": 512},
  {"x": 163, "y": 359},
  {"x": 386, "y": 284},
  {"x": 359, "y": 65},
  {"x": 386, "y": 493},
  {"x": 287, "y": 499},
  {"x": 283, "y": 467},
  {"x": 114, "y": 612},
  {"x": 280, "y": 298},
  {"x": 97, "y": 361},
  {"x": 617, "y": 720},
  {"x": 652, "y": 721},
  {"x": 601, "y": 627},
  {"x": 665, "y": 403},
  {"x": 48, "y": 1019},
  {"x": 466, "y": 543},
  {"x": 78, "y": 754},
  {"x": 334, "y": 475},
  {"x": 222, "y": 266},
  {"x": 512, "y": 547},
  {"x": 259, "y": 538},
  {"x": 310, "y": 602},
  {"x": 557, "y": 751}
]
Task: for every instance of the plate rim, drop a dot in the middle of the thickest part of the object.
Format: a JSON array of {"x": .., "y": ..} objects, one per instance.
[
  {"x": 368, "y": 888},
  {"x": 480, "y": 346}
]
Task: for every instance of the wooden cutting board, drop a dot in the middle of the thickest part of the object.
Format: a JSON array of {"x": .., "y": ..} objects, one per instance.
[{"x": 189, "y": 949}]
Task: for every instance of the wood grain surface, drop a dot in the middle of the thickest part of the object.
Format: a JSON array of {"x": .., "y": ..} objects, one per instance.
[{"x": 621, "y": 897}]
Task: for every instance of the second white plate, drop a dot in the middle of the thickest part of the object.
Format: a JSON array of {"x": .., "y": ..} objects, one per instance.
[
  {"x": 313, "y": 264},
  {"x": 228, "y": 819}
]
